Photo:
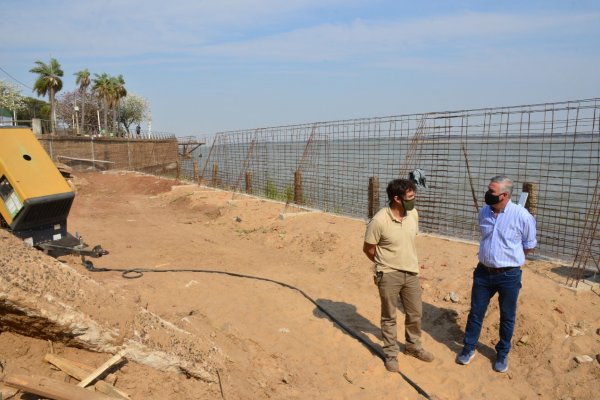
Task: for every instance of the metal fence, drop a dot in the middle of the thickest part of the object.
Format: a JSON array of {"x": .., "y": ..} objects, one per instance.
[
  {"x": 43, "y": 128},
  {"x": 554, "y": 147}
]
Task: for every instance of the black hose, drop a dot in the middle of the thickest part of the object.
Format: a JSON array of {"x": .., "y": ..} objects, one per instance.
[{"x": 134, "y": 273}]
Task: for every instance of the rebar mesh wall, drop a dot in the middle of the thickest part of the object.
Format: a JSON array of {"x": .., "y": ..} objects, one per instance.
[
  {"x": 555, "y": 146},
  {"x": 148, "y": 155}
]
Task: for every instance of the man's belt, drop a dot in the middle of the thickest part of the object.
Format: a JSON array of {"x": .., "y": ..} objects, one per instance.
[{"x": 494, "y": 271}]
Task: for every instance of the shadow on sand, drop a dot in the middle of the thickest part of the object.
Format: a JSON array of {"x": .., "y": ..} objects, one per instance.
[{"x": 440, "y": 323}]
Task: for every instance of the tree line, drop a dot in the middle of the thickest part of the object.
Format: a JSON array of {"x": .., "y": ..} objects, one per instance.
[{"x": 79, "y": 109}]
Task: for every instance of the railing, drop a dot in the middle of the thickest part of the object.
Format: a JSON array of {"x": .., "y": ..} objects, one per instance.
[{"x": 73, "y": 130}]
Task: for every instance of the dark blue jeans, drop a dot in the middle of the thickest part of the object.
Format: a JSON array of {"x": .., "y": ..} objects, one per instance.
[{"x": 485, "y": 285}]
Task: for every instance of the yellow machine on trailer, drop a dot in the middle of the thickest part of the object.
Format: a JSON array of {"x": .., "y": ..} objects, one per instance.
[{"x": 35, "y": 199}]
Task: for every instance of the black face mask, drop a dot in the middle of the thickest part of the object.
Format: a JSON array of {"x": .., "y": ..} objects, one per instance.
[{"x": 490, "y": 199}]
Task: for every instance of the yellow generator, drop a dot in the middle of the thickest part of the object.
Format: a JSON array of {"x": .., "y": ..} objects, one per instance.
[{"x": 35, "y": 199}]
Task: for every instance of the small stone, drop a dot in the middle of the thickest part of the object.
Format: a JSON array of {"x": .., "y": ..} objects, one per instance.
[
  {"x": 583, "y": 359},
  {"x": 523, "y": 341},
  {"x": 598, "y": 331},
  {"x": 559, "y": 310},
  {"x": 453, "y": 297},
  {"x": 238, "y": 219},
  {"x": 598, "y": 358},
  {"x": 575, "y": 332}
]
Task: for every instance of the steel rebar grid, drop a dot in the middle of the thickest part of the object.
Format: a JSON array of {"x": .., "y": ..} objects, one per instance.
[{"x": 555, "y": 146}]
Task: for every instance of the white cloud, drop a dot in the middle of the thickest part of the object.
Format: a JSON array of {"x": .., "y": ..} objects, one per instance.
[
  {"x": 389, "y": 39},
  {"x": 256, "y": 30},
  {"x": 147, "y": 25}
]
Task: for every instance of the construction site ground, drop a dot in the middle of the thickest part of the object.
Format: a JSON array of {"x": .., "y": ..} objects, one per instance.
[{"x": 265, "y": 341}]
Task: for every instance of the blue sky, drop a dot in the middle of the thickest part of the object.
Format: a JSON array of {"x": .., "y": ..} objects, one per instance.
[{"x": 217, "y": 65}]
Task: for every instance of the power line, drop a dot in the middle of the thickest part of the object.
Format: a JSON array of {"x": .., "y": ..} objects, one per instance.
[{"x": 15, "y": 79}]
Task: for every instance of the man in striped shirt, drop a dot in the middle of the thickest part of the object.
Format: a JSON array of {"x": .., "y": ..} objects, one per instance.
[{"x": 507, "y": 235}]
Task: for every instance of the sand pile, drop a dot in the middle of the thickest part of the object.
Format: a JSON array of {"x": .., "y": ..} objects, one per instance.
[{"x": 43, "y": 298}]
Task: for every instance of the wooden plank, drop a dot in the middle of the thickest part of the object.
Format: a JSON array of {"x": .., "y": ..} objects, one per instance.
[
  {"x": 7, "y": 392},
  {"x": 111, "y": 391},
  {"x": 76, "y": 370},
  {"x": 116, "y": 358},
  {"x": 51, "y": 388},
  {"x": 80, "y": 371},
  {"x": 85, "y": 159}
]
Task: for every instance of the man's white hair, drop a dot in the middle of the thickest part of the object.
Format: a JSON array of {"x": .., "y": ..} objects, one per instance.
[{"x": 506, "y": 184}]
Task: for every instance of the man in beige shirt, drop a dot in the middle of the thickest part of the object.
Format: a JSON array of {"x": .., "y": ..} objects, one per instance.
[{"x": 390, "y": 244}]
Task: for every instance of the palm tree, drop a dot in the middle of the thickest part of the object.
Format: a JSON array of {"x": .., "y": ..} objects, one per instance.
[
  {"x": 48, "y": 82},
  {"x": 102, "y": 87},
  {"x": 83, "y": 80},
  {"x": 118, "y": 92}
]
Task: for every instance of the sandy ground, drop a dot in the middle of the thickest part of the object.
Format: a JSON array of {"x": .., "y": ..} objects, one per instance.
[{"x": 273, "y": 342}]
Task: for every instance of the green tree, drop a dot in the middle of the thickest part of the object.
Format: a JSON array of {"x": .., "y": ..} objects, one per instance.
[
  {"x": 110, "y": 90},
  {"x": 48, "y": 82},
  {"x": 102, "y": 88},
  {"x": 11, "y": 99},
  {"x": 83, "y": 81},
  {"x": 133, "y": 109},
  {"x": 118, "y": 92},
  {"x": 34, "y": 108}
]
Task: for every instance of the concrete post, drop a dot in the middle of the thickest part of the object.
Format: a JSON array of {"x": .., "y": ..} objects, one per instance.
[
  {"x": 298, "y": 190},
  {"x": 215, "y": 174},
  {"x": 36, "y": 126},
  {"x": 373, "y": 195},
  {"x": 532, "y": 198},
  {"x": 249, "y": 182}
]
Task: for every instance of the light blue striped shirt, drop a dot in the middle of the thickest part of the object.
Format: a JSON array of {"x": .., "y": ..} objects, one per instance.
[{"x": 504, "y": 237}]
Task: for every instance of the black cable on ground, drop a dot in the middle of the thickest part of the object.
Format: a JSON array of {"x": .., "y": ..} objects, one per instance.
[{"x": 134, "y": 273}]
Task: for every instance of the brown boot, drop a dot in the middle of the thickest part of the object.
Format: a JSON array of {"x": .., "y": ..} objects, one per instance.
[
  {"x": 391, "y": 364},
  {"x": 421, "y": 354}
]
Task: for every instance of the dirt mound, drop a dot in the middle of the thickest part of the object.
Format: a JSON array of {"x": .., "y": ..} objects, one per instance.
[
  {"x": 43, "y": 298},
  {"x": 125, "y": 183}
]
